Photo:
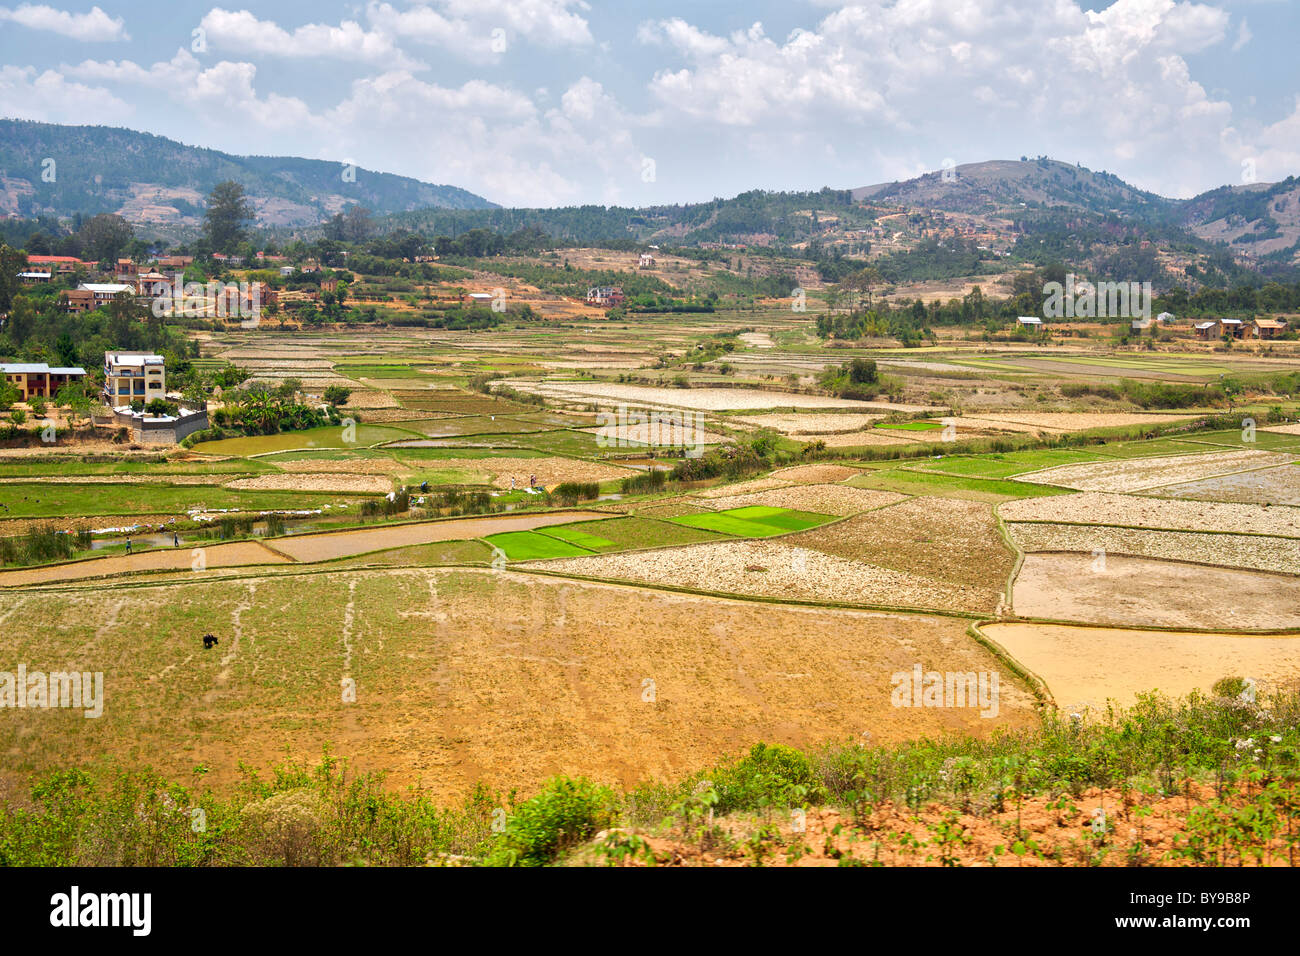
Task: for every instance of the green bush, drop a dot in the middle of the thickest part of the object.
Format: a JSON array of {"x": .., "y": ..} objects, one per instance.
[
  {"x": 770, "y": 775},
  {"x": 565, "y": 813}
]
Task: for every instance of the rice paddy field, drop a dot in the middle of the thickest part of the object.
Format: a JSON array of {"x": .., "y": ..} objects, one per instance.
[{"x": 509, "y": 595}]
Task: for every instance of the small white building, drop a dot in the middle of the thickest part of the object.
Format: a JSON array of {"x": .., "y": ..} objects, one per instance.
[
  {"x": 1030, "y": 322},
  {"x": 129, "y": 376},
  {"x": 105, "y": 292}
]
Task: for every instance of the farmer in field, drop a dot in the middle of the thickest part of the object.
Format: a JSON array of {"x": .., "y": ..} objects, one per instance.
[
  {"x": 128, "y": 544},
  {"x": 512, "y": 482}
]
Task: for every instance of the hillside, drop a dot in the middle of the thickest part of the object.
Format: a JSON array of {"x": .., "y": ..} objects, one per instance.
[{"x": 159, "y": 182}]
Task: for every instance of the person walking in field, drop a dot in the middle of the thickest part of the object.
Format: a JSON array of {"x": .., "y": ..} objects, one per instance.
[
  {"x": 512, "y": 482},
  {"x": 128, "y": 545}
]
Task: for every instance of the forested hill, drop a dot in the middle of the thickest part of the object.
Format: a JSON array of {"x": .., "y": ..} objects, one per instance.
[{"x": 158, "y": 181}]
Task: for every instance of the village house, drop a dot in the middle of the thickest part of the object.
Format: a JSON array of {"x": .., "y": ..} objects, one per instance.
[
  {"x": 606, "y": 296},
  {"x": 1232, "y": 327},
  {"x": 1269, "y": 328},
  {"x": 647, "y": 261},
  {"x": 76, "y": 301},
  {"x": 105, "y": 292},
  {"x": 34, "y": 278},
  {"x": 1029, "y": 323},
  {"x": 481, "y": 299},
  {"x": 127, "y": 269},
  {"x": 60, "y": 264},
  {"x": 129, "y": 376},
  {"x": 38, "y": 380},
  {"x": 1206, "y": 330},
  {"x": 177, "y": 263}
]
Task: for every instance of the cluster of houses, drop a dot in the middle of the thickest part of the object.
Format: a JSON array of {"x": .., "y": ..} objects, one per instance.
[
  {"x": 128, "y": 376},
  {"x": 1210, "y": 329},
  {"x": 160, "y": 279},
  {"x": 1239, "y": 329}
]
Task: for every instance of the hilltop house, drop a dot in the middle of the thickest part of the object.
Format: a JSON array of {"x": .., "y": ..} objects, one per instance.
[
  {"x": 481, "y": 299},
  {"x": 647, "y": 261},
  {"x": 129, "y": 376},
  {"x": 606, "y": 296},
  {"x": 38, "y": 380}
]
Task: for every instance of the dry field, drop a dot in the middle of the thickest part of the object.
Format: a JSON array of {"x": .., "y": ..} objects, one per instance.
[
  {"x": 659, "y": 433},
  {"x": 1144, "y": 512},
  {"x": 1069, "y": 421},
  {"x": 327, "y": 546},
  {"x": 468, "y": 676},
  {"x": 1252, "y": 552},
  {"x": 1139, "y": 474},
  {"x": 816, "y": 473},
  {"x": 308, "y": 481},
  {"x": 1086, "y": 666},
  {"x": 235, "y": 554},
  {"x": 821, "y": 424},
  {"x": 873, "y": 436},
  {"x": 947, "y": 539},
  {"x": 1271, "y": 486},
  {"x": 838, "y": 500},
  {"x": 1126, "y": 591},
  {"x": 744, "y": 488},
  {"x": 777, "y": 570},
  {"x": 699, "y": 399}
]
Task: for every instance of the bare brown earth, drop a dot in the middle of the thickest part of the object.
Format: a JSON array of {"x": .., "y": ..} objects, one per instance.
[
  {"x": 467, "y": 676},
  {"x": 341, "y": 544},
  {"x": 1140, "y": 829},
  {"x": 1144, "y": 591},
  {"x": 1087, "y": 666},
  {"x": 217, "y": 555}
]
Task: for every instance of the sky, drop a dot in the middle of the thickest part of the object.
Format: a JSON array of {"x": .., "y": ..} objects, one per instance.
[{"x": 562, "y": 102}]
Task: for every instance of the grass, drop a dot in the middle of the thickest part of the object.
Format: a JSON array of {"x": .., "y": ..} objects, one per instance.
[
  {"x": 951, "y": 486},
  {"x": 328, "y": 437},
  {"x": 634, "y": 532},
  {"x": 1005, "y": 465},
  {"x": 47, "y": 500},
  {"x": 753, "y": 522},
  {"x": 910, "y": 426},
  {"x": 530, "y": 546},
  {"x": 574, "y": 534}
]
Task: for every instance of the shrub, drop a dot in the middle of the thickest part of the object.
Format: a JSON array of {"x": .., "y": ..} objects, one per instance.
[
  {"x": 565, "y": 813},
  {"x": 770, "y": 775}
]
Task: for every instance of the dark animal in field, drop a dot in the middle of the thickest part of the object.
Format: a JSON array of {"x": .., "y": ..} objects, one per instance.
[{"x": 208, "y": 641}]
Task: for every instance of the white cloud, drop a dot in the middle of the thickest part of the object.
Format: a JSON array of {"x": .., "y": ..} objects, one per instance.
[
  {"x": 49, "y": 97},
  {"x": 243, "y": 31},
  {"x": 1244, "y": 36},
  {"x": 95, "y": 26}
]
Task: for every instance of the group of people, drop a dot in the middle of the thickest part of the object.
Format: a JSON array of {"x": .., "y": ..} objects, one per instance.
[{"x": 532, "y": 482}]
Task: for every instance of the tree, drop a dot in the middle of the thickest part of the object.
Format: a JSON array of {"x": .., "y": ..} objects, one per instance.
[
  {"x": 104, "y": 237},
  {"x": 12, "y": 262},
  {"x": 76, "y": 399},
  {"x": 225, "y": 224},
  {"x": 8, "y": 395},
  {"x": 337, "y": 394}
]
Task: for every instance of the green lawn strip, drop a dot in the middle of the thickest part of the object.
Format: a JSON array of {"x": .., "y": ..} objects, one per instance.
[
  {"x": 573, "y": 534},
  {"x": 636, "y": 532},
  {"x": 910, "y": 482},
  {"x": 50, "y": 500},
  {"x": 332, "y": 436},
  {"x": 1004, "y": 465},
  {"x": 38, "y": 467},
  {"x": 756, "y": 521},
  {"x": 910, "y": 426},
  {"x": 530, "y": 546}
]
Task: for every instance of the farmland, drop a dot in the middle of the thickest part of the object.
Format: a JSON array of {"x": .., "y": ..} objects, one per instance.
[{"x": 505, "y": 568}]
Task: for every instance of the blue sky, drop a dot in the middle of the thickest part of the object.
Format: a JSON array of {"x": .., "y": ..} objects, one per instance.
[{"x": 554, "y": 102}]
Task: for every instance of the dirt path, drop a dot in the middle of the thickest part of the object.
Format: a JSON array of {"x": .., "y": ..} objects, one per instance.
[
  {"x": 1089, "y": 665},
  {"x": 178, "y": 559},
  {"x": 342, "y": 544}
]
